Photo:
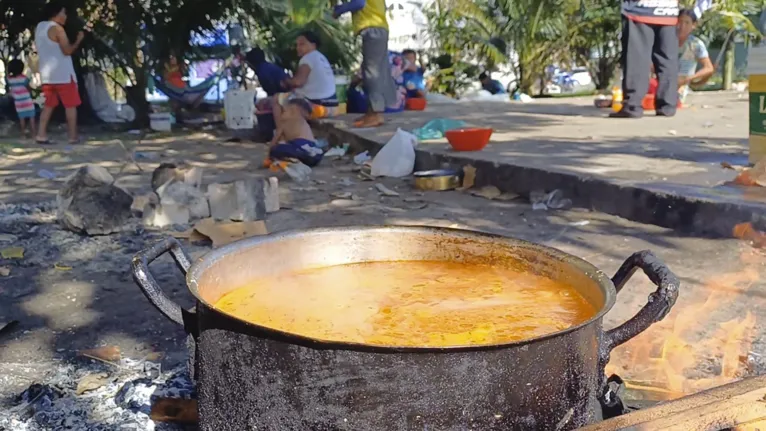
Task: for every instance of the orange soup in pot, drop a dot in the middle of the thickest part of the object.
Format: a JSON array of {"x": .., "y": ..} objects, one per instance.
[{"x": 410, "y": 304}]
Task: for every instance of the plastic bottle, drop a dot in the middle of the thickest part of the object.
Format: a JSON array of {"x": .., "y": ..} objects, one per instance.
[
  {"x": 616, "y": 99},
  {"x": 298, "y": 172}
]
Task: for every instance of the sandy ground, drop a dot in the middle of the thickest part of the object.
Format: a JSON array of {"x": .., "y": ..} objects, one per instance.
[{"x": 97, "y": 303}]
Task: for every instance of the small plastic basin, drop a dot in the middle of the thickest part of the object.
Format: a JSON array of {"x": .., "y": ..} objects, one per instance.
[
  {"x": 468, "y": 139},
  {"x": 415, "y": 104}
]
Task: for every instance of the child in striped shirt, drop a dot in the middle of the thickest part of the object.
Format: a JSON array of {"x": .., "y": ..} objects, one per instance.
[{"x": 18, "y": 85}]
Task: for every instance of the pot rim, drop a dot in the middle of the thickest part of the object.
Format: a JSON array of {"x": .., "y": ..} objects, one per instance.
[{"x": 203, "y": 263}]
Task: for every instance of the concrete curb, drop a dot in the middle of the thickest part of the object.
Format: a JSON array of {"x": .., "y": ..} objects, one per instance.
[{"x": 710, "y": 214}]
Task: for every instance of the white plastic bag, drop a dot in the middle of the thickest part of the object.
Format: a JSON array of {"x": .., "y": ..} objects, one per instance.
[{"x": 397, "y": 157}]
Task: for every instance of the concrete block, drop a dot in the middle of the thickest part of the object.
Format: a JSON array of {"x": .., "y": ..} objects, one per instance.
[
  {"x": 187, "y": 195},
  {"x": 167, "y": 214},
  {"x": 244, "y": 200}
]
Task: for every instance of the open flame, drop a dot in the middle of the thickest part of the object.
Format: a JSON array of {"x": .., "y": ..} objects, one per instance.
[{"x": 673, "y": 359}]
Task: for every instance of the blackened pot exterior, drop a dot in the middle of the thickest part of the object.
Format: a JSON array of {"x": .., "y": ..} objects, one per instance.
[
  {"x": 248, "y": 381},
  {"x": 250, "y": 377}
]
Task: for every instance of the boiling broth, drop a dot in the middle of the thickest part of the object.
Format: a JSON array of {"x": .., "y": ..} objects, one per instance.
[{"x": 410, "y": 303}]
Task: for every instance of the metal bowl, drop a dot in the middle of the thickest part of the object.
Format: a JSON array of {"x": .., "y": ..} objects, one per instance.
[{"x": 439, "y": 180}]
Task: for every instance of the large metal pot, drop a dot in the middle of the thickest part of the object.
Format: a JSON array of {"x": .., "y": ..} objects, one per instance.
[{"x": 251, "y": 377}]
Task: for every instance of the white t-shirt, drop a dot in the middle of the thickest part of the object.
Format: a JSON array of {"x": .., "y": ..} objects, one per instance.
[{"x": 321, "y": 81}]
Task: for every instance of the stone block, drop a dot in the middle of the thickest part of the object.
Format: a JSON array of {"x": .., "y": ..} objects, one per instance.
[
  {"x": 244, "y": 200},
  {"x": 167, "y": 214},
  {"x": 184, "y": 194}
]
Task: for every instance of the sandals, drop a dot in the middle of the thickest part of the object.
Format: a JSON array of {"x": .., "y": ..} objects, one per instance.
[
  {"x": 367, "y": 122},
  {"x": 43, "y": 141}
]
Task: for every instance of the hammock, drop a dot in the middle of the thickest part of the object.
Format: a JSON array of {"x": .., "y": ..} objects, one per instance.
[
  {"x": 194, "y": 95},
  {"x": 191, "y": 96}
]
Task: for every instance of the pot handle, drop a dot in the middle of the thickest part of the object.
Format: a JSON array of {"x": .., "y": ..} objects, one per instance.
[
  {"x": 659, "y": 304},
  {"x": 149, "y": 285}
]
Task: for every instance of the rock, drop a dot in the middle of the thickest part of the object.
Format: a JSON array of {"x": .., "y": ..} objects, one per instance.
[
  {"x": 90, "y": 203},
  {"x": 181, "y": 194},
  {"x": 244, "y": 200}
]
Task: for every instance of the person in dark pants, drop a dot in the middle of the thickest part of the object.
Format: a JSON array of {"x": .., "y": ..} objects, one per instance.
[{"x": 649, "y": 37}]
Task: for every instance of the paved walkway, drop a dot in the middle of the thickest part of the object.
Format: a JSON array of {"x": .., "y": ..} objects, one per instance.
[{"x": 678, "y": 156}]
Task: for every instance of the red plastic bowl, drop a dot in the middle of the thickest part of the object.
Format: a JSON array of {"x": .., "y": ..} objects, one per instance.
[
  {"x": 468, "y": 139},
  {"x": 648, "y": 103},
  {"x": 415, "y": 104}
]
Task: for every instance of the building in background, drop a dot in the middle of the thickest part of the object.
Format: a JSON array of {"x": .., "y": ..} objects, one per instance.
[{"x": 407, "y": 25}]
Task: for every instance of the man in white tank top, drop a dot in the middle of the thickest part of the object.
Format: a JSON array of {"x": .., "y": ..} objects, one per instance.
[{"x": 56, "y": 70}]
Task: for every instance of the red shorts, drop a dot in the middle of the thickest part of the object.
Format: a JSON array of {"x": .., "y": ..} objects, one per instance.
[{"x": 68, "y": 93}]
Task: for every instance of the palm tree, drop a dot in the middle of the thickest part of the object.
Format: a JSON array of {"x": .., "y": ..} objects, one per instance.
[
  {"x": 462, "y": 33},
  {"x": 537, "y": 31},
  {"x": 726, "y": 21},
  {"x": 540, "y": 33}
]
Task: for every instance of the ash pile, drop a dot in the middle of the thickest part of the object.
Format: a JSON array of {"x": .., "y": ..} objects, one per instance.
[{"x": 98, "y": 397}]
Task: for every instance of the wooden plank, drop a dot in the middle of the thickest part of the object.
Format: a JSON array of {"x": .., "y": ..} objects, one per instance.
[{"x": 712, "y": 410}]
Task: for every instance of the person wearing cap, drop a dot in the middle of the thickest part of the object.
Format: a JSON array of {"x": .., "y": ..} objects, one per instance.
[
  {"x": 649, "y": 38},
  {"x": 370, "y": 22}
]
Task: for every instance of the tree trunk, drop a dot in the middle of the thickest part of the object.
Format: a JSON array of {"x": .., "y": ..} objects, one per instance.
[
  {"x": 525, "y": 78},
  {"x": 728, "y": 65},
  {"x": 136, "y": 97},
  {"x": 605, "y": 69}
]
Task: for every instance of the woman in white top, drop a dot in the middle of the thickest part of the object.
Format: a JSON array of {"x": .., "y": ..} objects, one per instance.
[
  {"x": 314, "y": 79},
  {"x": 56, "y": 70}
]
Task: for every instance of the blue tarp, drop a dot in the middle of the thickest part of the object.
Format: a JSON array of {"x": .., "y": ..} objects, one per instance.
[{"x": 217, "y": 37}]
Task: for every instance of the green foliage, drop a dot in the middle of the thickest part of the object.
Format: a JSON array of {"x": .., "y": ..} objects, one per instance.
[
  {"x": 18, "y": 21},
  {"x": 462, "y": 32},
  {"x": 541, "y": 32},
  {"x": 599, "y": 36},
  {"x": 276, "y": 29}
]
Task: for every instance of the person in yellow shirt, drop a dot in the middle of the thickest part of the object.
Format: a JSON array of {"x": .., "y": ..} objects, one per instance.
[{"x": 369, "y": 21}]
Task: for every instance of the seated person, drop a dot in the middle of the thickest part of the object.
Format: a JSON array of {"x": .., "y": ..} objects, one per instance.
[
  {"x": 270, "y": 76},
  {"x": 492, "y": 85},
  {"x": 691, "y": 54},
  {"x": 414, "y": 81},
  {"x": 174, "y": 76},
  {"x": 293, "y": 128},
  {"x": 357, "y": 102},
  {"x": 174, "y": 73},
  {"x": 314, "y": 79}
]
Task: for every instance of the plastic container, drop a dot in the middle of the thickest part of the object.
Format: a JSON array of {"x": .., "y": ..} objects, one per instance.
[
  {"x": 468, "y": 139},
  {"x": 415, "y": 104},
  {"x": 756, "y": 72},
  {"x": 239, "y": 106},
  {"x": 161, "y": 121},
  {"x": 616, "y": 99}
]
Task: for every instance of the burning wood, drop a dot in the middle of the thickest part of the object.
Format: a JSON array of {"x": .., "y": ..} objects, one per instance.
[
  {"x": 675, "y": 357},
  {"x": 739, "y": 405}
]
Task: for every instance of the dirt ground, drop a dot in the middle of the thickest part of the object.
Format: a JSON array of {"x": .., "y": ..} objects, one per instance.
[{"x": 61, "y": 310}]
